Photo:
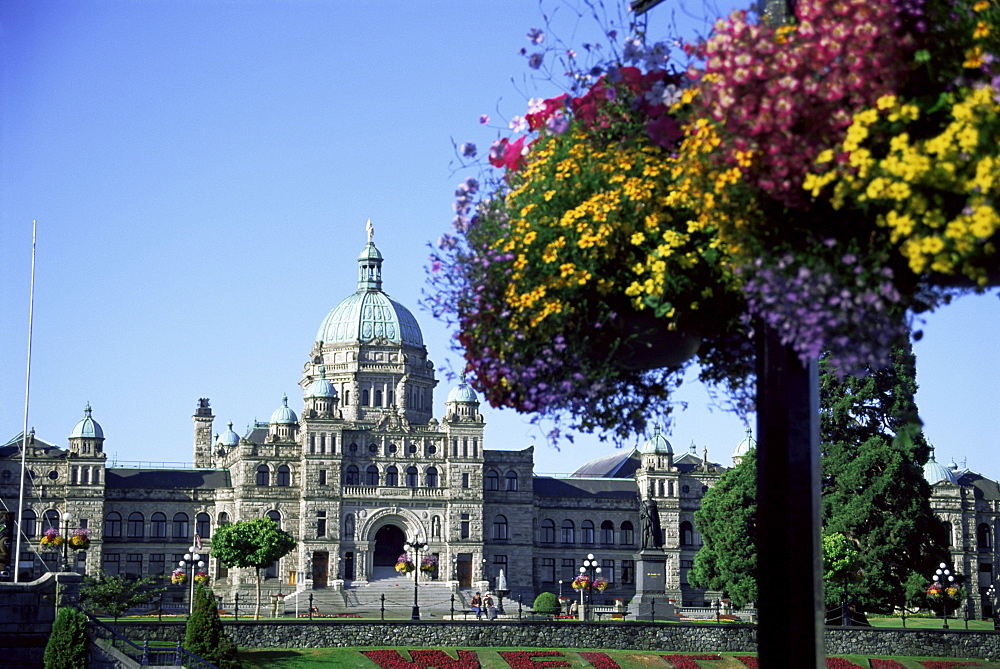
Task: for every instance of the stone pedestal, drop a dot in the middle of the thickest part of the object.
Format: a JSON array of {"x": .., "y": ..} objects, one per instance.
[
  {"x": 650, "y": 584},
  {"x": 337, "y": 584}
]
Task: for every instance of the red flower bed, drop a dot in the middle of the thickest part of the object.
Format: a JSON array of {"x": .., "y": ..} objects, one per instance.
[
  {"x": 885, "y": 664},
  {"x": 600, "y": 660},
  {"x": 423, "y": 659},
  {"x": 521, "y": 659},
  {"x": 841, "y": 663},
  {"x": 748, "y": 661},
  {"x": 688, "y": 661}
]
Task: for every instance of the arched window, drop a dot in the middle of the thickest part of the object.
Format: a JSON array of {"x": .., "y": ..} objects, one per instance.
[
  {"x": 158, "y": 526},
  {"x": 548, "y": 531},
  {"x": 378, "y": 398},
  {"x": 275, "y": 516},
  {"x": 983, "y": 539},
  {"x": 28, "y": 526},
  {"x": 223, "y": 518},
  {"x": 628, "y": 533},
  {"x": 135, "y": 525},
  {"x": 349, "y": 526},
  {"x": 608, "y": 533},
  {"x": 113, "y": 525},
  {"x": 500, "y": 527},
  {"x": 352, "y": 476},
  {"x": 203, "y": 526},
  {"x": 587, "y": 529},
  {"x": 511, "y": 481},
  {"x": 364, "y": 398},
  {"x": 392, "y": 476},
  {"x": 180, "y": 526},
  {"x": 687, "y": 534},
  {"x": 411, "y": 477},
  {"x": 492, "y": 480},
  {"x": 51, "y": 520},
  {"x": 432, "y": 477},
  {"x": 284, "y": 476},
  {"x": 263, "y": 475},
  {"x": 950, "y": 533},
  {"x": 568, "y": 531},
  {"x": 371, "y": 475}
]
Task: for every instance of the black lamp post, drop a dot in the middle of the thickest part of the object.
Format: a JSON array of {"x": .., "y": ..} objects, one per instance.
[
  {"x": 944, "y": 578},
  {"x": 591, "y": 569},
  {"x": 193, "y": 560},
  {"x": 416, "y": 546},
  {"x": 65, "y": 542}
]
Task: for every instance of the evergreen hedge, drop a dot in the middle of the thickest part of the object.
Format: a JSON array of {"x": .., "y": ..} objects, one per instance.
[
  {"x": 204, "y": 635},
  {"x": 67, "y": 647}
]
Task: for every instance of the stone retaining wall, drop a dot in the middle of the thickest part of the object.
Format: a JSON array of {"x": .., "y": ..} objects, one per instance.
[{"x": 543, "y": 634}]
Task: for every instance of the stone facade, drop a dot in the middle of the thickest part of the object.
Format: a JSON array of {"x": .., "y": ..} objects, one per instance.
[{"x": 365, "y": 466}]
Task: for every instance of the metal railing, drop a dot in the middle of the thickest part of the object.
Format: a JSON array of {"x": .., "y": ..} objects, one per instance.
[{"x": 145, "y": 654}]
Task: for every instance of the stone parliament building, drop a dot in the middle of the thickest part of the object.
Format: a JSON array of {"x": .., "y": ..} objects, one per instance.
[{"x": 365, "y": 466}]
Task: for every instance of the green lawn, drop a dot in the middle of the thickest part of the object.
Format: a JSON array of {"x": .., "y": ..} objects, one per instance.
[
  {"x": 931, "y": 623},
  {"x": 490, "y": 658}
]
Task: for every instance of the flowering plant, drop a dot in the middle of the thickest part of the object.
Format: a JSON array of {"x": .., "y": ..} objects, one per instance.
[
  {"x": 582, "y": 269},
  {"x": 944, "y": 597},
  {"x": 178, "y": 576},
  {"x": 404, "y": 564},
  {"x": 201, "y": 577},
  {"x": 51, "y": 537},
  {"x": 429, "y": 563},
  {"x": 600, "y": 584},
  {"x": 581, "y": 582},
  {"x": 80, "y": 538}
]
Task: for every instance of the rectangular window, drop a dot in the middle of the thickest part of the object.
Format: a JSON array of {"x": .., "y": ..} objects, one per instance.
[
  {"x": 465, "y": 480},
  {"x": 608, "y": 570},
  {"x": 157, "y": 566},
  {"x": 500, "y": 562},
  {"x": 111, "y": 564},
  {"x": 465, "y": 526},
  {"x": 548, "y": 570},
  {"x": 628, "y": 572},
  {"x": 568, "y": 571},
  {"x": 133, "y": 565},
  {"x": 322, "y": 477},
  {"x": 312, "y": 444},
  {"x": 687, "y": 564},
  {"x": 986, "y": 567},
  {"x": 320, "y": 524}
]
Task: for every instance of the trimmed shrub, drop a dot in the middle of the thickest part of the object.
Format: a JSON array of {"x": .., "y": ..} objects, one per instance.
[
  {"x": 204, "y": 635},
  {"x": 546, "y": 602},
  {"x": 67, "y": 646}
]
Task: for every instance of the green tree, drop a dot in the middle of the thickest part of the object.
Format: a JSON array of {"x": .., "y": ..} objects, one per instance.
[
  {"x": 727, "y": 521},
  {"x": 842, "y": 574},
  {"x": 67, "y": 647},
  {"x": 115, "y": 595},
  {"x": 874, "y": 492},
  {"x": 252, "y": 544},
  {"x": 204, "y": 634}
]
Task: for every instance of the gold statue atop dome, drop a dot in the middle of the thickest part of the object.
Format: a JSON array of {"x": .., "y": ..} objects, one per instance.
[{"x": 371, "y": 230}]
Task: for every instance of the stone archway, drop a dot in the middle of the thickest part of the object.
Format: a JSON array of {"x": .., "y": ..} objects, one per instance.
[{"x": 389, "y": 540}]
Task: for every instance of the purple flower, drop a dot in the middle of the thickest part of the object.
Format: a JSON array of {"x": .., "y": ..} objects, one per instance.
[
  {"x": 518, "y": 124},
  {"x": 484, "y": 119},
  {"x": 536, "y": 35},
  {"x": 535, "y": 60},
  {"x": 469, "y": 150}
]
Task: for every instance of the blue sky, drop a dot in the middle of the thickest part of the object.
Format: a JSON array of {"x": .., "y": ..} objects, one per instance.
[{"x": 202, "y": 171}]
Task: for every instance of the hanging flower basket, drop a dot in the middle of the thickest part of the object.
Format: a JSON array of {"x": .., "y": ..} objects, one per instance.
[
  {"x": 404, "y": 564},
  {"x": 80, "y": 539},
  {"x": 51, "y": 538},
  {"x": 429, "y": 564},
  {"x": 201, "y": 577},
  {"x": 600, "y": 584},
  {"x": 178, "y": 577},
  {"x": 581, "y": 582}
]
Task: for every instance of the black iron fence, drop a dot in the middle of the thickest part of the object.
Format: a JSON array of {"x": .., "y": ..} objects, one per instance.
[{"x": 145, "y": 654}]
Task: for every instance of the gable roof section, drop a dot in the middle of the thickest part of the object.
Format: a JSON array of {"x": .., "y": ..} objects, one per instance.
[
  {"x": 168, "y": 479},
  {"x": 585, "y": 488}
]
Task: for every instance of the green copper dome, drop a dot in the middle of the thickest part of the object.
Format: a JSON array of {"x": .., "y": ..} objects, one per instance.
[
  {"x": 283, "y": 415},
  {"x": 657, "y": 443},
  {"x": 462, "y": 393},
  {"x": 87, "y": 428},
  {"x": 369, "y": 313}
]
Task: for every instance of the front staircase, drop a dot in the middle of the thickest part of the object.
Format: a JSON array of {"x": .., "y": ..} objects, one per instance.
[{"x": 366, "y": 598}]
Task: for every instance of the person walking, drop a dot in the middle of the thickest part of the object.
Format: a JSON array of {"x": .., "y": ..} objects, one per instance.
[{"x": 477, "y": 606}]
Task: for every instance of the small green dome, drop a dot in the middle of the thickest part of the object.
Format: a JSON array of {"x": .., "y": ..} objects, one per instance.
[
  {"x": 228, "y": 438},
  {"x": 320, "y": 387},
  {"x": 745, "y": 446},
  {"x": 462, "y": 393},
  {"x": 657, "y": 444},
  {"x": 283, "y": 415},
  {"x": 935, "y": 472},
  {"x": 87, "y": 428}
]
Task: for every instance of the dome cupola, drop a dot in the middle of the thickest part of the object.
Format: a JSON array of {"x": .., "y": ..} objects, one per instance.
[
  {"x": 657, "y": 444},
  {"x": 744, "y": 447},
  {"x": 87, "y": 437},
  {"x": 462, "y": 404},
  {"x": 321, "y": 397},
  {"x": 283, "y": 422},
  {"x": 935, "y": 472},
  {"x": 229, "y": 438}
]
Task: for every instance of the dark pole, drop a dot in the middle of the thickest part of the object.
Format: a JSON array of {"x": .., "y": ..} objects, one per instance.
[
  {"x": 66, "y": 541},
  {"x": 453, "y": 606},
  {"x": 382, "y": 609},
  {"x": 415, "y": 614},
  {"x": 236, "y": 606},
  {"x": 790, "y": 631}
]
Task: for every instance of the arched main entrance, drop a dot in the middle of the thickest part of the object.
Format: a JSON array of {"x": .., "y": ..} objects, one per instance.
[{"x": 388, "y": 546}]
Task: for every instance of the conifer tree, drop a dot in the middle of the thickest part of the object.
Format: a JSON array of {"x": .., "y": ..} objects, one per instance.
[
  {"x": 204, "y": 634},
  {"x": 67, "y": 647}
]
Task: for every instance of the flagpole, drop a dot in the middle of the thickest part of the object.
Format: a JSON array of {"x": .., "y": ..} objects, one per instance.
[{"x": 24, "y": 432}]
